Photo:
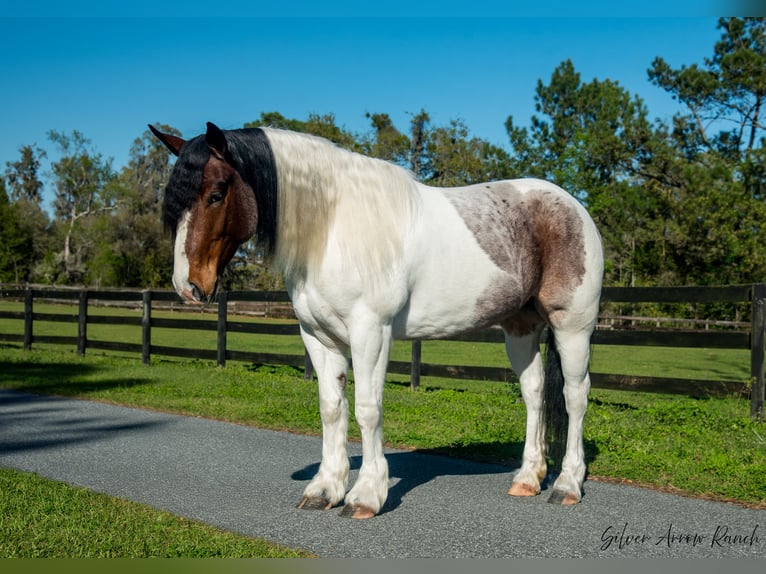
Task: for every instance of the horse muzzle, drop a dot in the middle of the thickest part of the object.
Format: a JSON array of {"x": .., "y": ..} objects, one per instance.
[
  {"x": 199, "y": 296},
  {"x": 192, "y": 293}
]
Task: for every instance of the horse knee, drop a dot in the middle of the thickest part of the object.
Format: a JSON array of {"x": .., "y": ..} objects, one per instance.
[
  {"x": 368, "y": 415},
  {"x": 333, "y": 410}
]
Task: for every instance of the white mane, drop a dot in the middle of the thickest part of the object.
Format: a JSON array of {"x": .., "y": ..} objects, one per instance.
[{"x": 365, "y": 204}]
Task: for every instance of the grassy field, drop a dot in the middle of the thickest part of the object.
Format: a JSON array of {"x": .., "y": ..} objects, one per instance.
[
  {"x": 699, "y": 447},
  {"x": 45, "y": 519}
]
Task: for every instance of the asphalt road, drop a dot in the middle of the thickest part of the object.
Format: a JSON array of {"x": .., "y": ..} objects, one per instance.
[{"x": 248, "y": 480}]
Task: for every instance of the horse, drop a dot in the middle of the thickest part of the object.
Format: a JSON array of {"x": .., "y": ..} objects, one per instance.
[{"x": 368, "y": 255}]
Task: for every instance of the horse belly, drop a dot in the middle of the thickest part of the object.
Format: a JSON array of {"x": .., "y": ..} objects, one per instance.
[
  {"x": 454, "y": 286},
  {"x": 444, "y": 308}
]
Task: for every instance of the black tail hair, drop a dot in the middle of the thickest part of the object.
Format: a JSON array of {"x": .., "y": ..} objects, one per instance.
[{"x": 554, "y": 404}]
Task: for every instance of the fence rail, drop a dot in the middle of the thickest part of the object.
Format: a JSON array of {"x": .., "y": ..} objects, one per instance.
[{"x": 752, "y": 339}]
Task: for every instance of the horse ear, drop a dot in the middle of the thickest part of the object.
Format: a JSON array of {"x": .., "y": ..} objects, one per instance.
[
  {"x": 173, "y": 143},
  {"x": 216, "y": 141}
]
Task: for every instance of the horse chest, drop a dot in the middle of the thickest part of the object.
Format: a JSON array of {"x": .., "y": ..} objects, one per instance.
[{"x": 318, "y": 315}]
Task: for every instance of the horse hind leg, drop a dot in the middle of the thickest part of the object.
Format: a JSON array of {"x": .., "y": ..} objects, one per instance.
[
  {"x": 556, "y": 398},
  {"x": 522, "y": 345},
  {"x": 572, "y": 348}
]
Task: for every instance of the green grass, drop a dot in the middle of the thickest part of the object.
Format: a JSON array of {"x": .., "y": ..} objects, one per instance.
[{"x": 45, "y": 519}]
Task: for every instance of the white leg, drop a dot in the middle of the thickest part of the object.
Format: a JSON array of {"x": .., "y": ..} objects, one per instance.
[
  {"x": 526, "y": 360},
  {"x": 574, "y": 349},
  {"x": 328, "y": 487},
  {"x": 370, "y": 346}
]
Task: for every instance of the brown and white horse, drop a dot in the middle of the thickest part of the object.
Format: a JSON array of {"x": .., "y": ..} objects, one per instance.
[{"x": 369, "y": 255}]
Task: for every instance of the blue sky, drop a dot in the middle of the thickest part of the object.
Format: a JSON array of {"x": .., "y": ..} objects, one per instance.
[{"x": 108, "y": 76}]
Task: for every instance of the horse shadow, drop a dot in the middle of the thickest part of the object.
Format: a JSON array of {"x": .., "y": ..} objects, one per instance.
[{"x": 419, "y": 467}]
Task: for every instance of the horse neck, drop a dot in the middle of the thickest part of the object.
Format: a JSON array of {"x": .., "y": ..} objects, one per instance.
[
  {"x": 321, "y": 184},
  {"x": 306, "y": 188}
]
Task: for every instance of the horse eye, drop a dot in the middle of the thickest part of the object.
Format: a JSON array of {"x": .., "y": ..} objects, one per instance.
[{"x": 215, "y": 197}]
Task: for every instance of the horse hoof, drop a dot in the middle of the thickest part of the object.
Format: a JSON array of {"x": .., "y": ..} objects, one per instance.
[
  {"x": 314, "y": 503},
  {"x": 358, "y": 511},
  {"x": 523, "y": 489},
  {"x": 563, "y": 498}
]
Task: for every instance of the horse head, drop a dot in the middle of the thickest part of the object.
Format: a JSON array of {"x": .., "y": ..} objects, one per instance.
[{"x": 209, "y": 207}]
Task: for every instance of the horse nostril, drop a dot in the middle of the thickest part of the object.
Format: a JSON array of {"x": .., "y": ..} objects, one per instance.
[{"x": 197, "y": 293}]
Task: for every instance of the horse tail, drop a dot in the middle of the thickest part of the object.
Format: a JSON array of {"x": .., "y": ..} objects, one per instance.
[{"x": 554, "y": 404}]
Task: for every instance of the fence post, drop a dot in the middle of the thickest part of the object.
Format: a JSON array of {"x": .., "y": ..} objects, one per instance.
[
  {"x": 757, "y": 350},
  {"x": 28, "y": 318},
  {"x": 146, "y": 327},
  {"x": 223, "y": 300},
  {"x": 82, "y": 323},
  {"x": 415, "y": 365}
]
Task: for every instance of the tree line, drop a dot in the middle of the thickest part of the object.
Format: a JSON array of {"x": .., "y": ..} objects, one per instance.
[{"x": 678, "y": 202}]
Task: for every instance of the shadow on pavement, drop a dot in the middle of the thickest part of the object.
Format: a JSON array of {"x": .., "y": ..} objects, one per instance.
[{"x": 52, "y": 432}]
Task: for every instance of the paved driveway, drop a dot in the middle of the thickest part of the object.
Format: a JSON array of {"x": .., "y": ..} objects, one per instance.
[{"x": 249, "y": 480}]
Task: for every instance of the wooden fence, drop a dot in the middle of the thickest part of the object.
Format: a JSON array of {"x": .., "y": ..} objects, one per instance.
[{"x": 752, "y": 339}]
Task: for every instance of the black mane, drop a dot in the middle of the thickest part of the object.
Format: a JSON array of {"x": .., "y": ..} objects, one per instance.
[
  {"x": 184, "y": 182},
  {"x": 253, "y": 159}
]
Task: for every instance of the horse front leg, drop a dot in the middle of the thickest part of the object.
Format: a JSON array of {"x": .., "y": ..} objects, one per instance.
[
  {"x": 328, "y": 487},
  {"x": 370, "y": 346}
]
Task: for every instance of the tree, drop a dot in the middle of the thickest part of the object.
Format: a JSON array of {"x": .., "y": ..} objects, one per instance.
[
  {"x": 22, "y": 176},
  {"x": 31, "y": 233},
  {"x": 593, "y": 140},
  {"x": 14, "y": 247},
  {"x": 677, "y": 203},
  {"x": 715, "y": 155},
  {"x": 418, "y": 134},
  {"x": 386, "y": 142},
  {"x": 136, "y": 251},
  {"x": 322, "y": 126},
  {"x": 82, "y": 180},
  {"x": 729, "y": 90},
  {"x": 452, "y": 158}
]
